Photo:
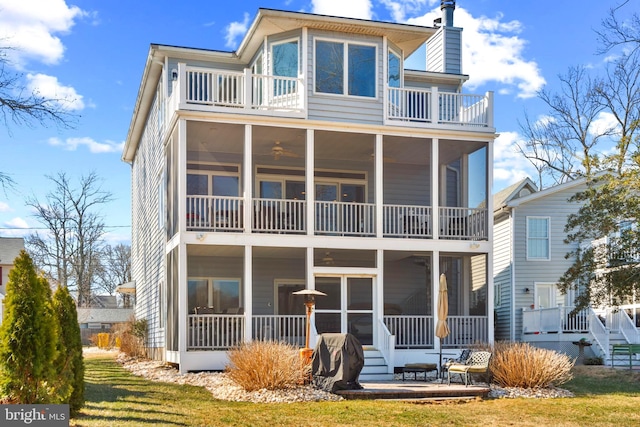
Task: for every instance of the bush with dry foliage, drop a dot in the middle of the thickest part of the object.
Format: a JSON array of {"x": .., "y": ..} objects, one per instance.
[
  {"x": 266, "y": 365},
  {"x": 517, "y": 364},
  {"x": 132, "y": 336}
]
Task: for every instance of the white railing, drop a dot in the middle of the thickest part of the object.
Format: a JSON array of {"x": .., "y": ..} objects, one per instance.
[
  {"x": 215, "y": 87},
  {"x": 214, "y": 331},
  {"x": 276, "y": 93},
  {"x": 279, "y": 215},
  {"x": 286, "y": 328},
  {"x": 386, "y": 346},
  {"x": 345, "y": 218},
  {"x": 419, "y": 105},
  {"x": 599, "y": 334},
  {"x": 619, "y": 321},
  {"x": 223, "y": 213},
  {"x": 407, "y": 221},
  {"x": 411, "y": 331},
  {"x": 555, "y": 320},
  {"x": 463, "y": 223},
  {"x": 466, "y": 330}
]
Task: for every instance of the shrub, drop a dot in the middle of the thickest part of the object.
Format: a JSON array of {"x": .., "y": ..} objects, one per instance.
[
  {"x": 132, "y": 336},
  {"x": 522, "y": 365},
  {"x": 266, "y": 365},
  {"x": 69, "y": 364},
  {"x": 27, "y": 336},
  {"x": 593, "y": 361}
]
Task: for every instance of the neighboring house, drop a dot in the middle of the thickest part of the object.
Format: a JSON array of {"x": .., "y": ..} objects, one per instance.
[
  {"x": 94, "y": 320},
  {"x": 10, "y": 248},
  {"x": 310, "y": 158},
  {"x": 529, "y": 259}
]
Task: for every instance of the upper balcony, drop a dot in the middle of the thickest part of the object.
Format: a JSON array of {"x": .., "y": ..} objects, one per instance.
[{"x": 209, "y": 89}]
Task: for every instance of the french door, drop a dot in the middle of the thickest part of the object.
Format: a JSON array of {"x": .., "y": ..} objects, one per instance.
[{"x": 347, "y": 308}]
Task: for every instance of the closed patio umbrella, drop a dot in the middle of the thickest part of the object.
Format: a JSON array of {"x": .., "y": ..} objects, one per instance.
[{"x": 442, "y": 329}]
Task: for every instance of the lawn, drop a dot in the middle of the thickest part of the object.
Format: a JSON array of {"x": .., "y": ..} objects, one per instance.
[{"x": 604, "y": 397}]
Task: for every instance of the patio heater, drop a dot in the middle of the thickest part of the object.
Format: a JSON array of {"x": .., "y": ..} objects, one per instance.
[{"x": 309, "y": 301}]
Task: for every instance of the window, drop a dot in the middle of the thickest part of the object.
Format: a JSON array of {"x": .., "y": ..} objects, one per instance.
[
  {"x": 394, "y": 70},
  {"x": 285, "y": 59},
  {"x": 223, "y": 295},
  {"x": 345, "y": 68},
  {"x": 211, "y": 180},
  {"x": 538, "y": 238}
]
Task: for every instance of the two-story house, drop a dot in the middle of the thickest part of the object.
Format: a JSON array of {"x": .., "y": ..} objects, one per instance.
[{"x": 311, "y": 158}]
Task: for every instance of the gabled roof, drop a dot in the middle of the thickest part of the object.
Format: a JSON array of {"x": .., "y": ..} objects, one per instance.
[
  {"x": 504, "y": 196},
  {"x": 10, "y": 248},
  {"x": 546, "y": 192}
]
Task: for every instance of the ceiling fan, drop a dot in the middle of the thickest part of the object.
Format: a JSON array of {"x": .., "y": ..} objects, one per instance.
[
  {"x": 327, "y": 259},
  {"x": 278, "y": 151},
  {"x": 385, "y": 159}
]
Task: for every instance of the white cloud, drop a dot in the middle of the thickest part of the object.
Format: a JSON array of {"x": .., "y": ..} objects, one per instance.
[
  {"x": 30, "y": 27},
  {"x": 492, "y": 51},
  {"x": 400, "y": 9},
  {"x": 16, "y": 227},
  {"x": 72, "y": 144},
  {"x": 49, "y": 87},
  {"x": 4, "y": 207},
  {"x": 604, "y": 123},
  {"x": 234, "y": 30},
  {"x": 348, "y": 8},
  {"x": 509, "y": 166}
]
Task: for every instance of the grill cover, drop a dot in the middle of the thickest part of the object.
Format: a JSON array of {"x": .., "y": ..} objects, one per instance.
[{"x": 336, "y": 362}]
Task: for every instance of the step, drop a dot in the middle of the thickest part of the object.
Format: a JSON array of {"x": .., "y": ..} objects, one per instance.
[{"x": 375, "y": 377}]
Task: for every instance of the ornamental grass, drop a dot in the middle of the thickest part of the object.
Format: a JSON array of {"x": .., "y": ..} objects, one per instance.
[
  {"x": 517, "y": 364},
  {"x": 267, "y": 365}
]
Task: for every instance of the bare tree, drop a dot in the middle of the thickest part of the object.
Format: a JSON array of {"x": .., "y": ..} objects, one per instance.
[
  {"x": 615, "y": 32},
  {"x": 69, "y": 252},
  {"x": 115, "y": 267},
  {"x": 563, "y": 145}
]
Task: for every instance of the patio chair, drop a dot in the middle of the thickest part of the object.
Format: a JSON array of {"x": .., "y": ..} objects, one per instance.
[
  {"x": 477, "y": 363},
  {"x": 462, "y": 359}
]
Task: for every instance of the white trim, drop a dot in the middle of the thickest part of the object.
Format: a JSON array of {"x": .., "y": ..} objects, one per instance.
[
  {"x": 548, "y": 218},
  {"x": 345, "y": 68}
]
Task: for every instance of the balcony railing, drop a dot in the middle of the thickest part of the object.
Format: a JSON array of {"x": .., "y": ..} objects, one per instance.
[
  {"x": 555, "y": 320},
  {"x": 432, "y": 106},
  {"x": 224, "y": 331},
  {"x": 225, "y": 213},
  {"x": 257, "y": 93}
]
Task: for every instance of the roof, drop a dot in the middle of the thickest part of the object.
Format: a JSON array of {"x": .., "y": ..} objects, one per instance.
[
  {"x": 502, "y": 197},
  {"x": 546, "y": 192},
  {"x": 104, "y": 315},
  {"x": 127, "y": 288},
  {"x": 10, "y": 248}
]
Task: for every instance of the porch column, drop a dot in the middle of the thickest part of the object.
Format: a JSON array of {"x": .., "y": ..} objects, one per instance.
[
  {"x": 379, "y": 166},
  {"x": 435, "y": 192},
  {"x": 310, "y": 195},
  {"x": 183, "y": 311},
  {"x": 182, "y": 247},
  {"x": 248, "y": 293},
  {"x": 378, "y": 301},
  {"x": 489, "y": 223},
  {"x": 247, "y": 181},
  {"x": 435, "y": 281}
]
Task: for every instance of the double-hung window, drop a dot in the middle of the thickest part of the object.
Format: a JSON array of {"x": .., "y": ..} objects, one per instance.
[
  {"x": 345, "y": 68},
  {"x": 538, "y": 238}
]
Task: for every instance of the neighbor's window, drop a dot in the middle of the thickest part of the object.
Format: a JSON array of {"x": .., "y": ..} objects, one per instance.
[
  {"x": 345, "y": 68},
  {"x": 537, "y": 238}
]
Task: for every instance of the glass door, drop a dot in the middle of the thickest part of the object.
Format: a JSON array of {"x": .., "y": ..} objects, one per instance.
[{"x": 347, "y": 308}]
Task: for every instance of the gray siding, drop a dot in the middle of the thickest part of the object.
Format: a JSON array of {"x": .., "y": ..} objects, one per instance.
[
  {"x": 147, "y": 243},
  {"x": 557, "y": 208},
  {"x": 406, "y": 184},
  {"x": 444, "y": 51},
  {"x": 502, "y": 276},
  {"x": 344, "y": 108}
]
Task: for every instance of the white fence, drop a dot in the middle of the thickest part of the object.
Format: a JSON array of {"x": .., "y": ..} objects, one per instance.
[
  {"x": 279, "y": 215},
  {"x": 345, "y": 218},
  {"x": 214, "y": 331}
]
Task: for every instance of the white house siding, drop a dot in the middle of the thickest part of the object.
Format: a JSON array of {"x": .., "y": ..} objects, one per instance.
[
  {"x": 342, "y": 108},
  {"x": 147, "y": 243},
  {"x": 557, "y": 208},
  {"x": 435, "y": 57},
  {"x": 502, "y": 276}
]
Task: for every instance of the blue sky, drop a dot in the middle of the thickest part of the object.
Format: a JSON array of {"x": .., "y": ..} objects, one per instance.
[{"x": 93, "y": 53}]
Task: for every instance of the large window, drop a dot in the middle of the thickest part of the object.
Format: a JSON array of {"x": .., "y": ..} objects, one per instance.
[
  {"x": 345, "y": 68},
  {"x": 218, "y": 295},
  {"x": 285, "y": 59},
  {"x": 538, "y": 238},
  {"x": 394, "y": 70}
]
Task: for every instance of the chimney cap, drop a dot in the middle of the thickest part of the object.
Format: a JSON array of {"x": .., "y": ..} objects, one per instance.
[{"x": 447, "y": 3}]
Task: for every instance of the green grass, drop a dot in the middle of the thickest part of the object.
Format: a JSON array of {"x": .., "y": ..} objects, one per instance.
[{"x": 604, "y": 397}]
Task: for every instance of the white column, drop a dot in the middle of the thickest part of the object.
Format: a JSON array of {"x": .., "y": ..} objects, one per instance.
[
  {"x": 311, "y": 284},
  {"x": 182, "y": 247},
  {"x": 248, "y": 293},
  {"x": 310, "y": 195},
  {"x": 378, "y": 308},
  {"x": 247, "y": 179},
  {"x": 490, "y": 285},
  {"x": 379, "y": 166},
  {"x": 435, "y": 186}
]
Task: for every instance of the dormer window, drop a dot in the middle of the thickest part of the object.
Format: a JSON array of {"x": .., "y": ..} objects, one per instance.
[
  {"x": 285, "y": 59},
  {"x": 345, "y": 68},
  {"x": 394, "y": 69}
]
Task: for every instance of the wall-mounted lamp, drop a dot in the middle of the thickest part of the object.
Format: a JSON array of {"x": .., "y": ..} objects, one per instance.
[
  {"x": 174, "y": 74},
  {"x": 527, "y": 290},
  {"x": 474, "y": 245},
  {"x": 200, "y": 236}
]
